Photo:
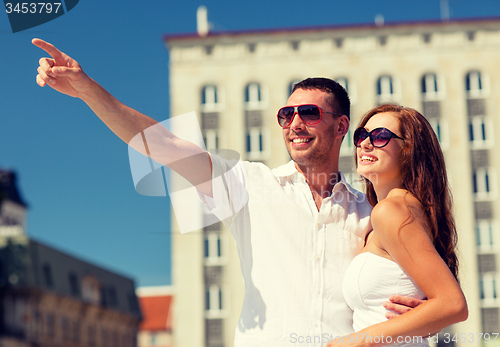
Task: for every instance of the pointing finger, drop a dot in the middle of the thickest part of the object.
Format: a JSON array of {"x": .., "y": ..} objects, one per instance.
[{"x": 49, "y": 48}]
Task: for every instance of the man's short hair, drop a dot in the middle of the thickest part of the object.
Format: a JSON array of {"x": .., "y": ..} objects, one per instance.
[{"x": 338, "y": 98}]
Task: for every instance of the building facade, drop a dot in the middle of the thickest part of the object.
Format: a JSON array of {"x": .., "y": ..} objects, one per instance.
[
  {"x": 236, "y": 82},
  {"x": 49, "y": 298}
]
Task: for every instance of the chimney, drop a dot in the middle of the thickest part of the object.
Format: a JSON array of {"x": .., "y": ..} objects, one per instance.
[{"x": 202, "y": 21}]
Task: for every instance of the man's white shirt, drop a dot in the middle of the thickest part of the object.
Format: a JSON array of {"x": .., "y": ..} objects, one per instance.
[{"x": 292, "y": 256}]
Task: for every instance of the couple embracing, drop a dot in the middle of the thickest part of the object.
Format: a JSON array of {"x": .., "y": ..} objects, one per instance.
[{"x": 322, "y": 260}]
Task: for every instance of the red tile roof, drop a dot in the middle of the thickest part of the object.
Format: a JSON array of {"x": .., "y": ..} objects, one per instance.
[{"x": 156, "y": 312}]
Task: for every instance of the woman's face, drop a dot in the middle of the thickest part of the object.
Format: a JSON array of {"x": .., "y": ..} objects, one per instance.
[{"x": 381, "y": 165}]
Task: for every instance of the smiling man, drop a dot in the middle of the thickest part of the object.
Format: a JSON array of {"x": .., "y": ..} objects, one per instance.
[
  {"x": 301, "y": 227},
  {"x": 302, "y": 224}
]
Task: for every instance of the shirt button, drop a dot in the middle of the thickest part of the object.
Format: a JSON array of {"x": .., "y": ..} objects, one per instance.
[
  {"x": 315, "y": 324},
  {"x": 318, "y": 225},
  {"x": 317, "y": 257}
]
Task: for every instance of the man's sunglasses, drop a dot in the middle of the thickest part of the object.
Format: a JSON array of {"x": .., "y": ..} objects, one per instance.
[
  {"x": 379, "y": 137},
  {"x": 310, "y": 114}
]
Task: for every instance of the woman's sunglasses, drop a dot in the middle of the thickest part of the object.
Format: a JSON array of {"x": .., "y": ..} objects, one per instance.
[
  {"x": 310, "y": 114},
  {"x": 379, "y": 137}
]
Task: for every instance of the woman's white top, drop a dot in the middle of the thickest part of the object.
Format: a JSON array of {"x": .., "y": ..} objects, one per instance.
[{"x": 368, "y": 282}]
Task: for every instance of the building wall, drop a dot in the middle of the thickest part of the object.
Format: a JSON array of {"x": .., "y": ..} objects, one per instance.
[
  {"x": 360, "y": 55},
  {"x": 50, "y": 298}
]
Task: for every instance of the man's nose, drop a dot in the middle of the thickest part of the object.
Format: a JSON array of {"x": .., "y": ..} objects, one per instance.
[{"x": 297, "y": 122}]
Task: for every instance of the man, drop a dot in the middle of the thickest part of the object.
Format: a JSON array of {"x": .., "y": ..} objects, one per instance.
[{"x": 302, "y": 224}]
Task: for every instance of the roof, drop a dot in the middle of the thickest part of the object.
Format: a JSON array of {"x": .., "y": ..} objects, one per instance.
[
  {"x": 329, "y": 28},
  {"x": 8, "y": 187},
  {"x": 156, "y": 312},
  {"x": 29, "y": 264}
]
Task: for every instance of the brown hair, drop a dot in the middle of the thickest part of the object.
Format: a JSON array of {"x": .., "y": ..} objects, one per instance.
[{"x": 423, "y": 174}]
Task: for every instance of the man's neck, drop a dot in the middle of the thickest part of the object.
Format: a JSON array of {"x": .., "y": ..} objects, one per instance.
[{"x": 320, "y": 180}]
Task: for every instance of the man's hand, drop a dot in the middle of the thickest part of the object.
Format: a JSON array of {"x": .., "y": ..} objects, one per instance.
[
  {"x": 61, "y": 72},
  {"x": 400, "y": 304}
]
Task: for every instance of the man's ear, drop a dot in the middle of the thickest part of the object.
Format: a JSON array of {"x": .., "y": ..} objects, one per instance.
[{"x": 343, "y": 126}]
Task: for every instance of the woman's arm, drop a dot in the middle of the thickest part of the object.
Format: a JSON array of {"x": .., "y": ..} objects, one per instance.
[{"x": 413, "y": 250}]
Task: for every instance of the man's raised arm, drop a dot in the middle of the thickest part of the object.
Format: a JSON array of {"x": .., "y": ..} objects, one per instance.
[{"x": 65, "y": 75}]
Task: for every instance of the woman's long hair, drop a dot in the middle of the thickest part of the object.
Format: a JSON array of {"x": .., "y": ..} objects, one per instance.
[{"x": 423, "y": 174}]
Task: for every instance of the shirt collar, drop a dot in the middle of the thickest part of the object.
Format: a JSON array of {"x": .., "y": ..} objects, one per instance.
[{"x": 289, "y": 170}]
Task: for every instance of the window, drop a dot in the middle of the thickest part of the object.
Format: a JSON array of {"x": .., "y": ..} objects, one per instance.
[
  {"x": 484, "y": 184},
  {"x": 255, "y": 142},
  {"x": 295, "y": 45},
  {"x": 256, "y": 136},
  {"x": 343, "y": 82},
  {"x": 209, "y": 95},
  {"x": 476, "y": 85},
  {"x": 254, "y": 99},
  {"x": 349, "y": 87},
  {"x": 211, "y": 98},
  {"x": 386, "y": 90},
  {"x": 440, "y": 127},
  {"x": 480, "y": 132},
  {"x": 488, "y": 290},
  {"x": 432, "y": 87},
  {"x": 153, "y": 339},
  {"x": 252, "y": 93},
  {"x": 215, "y": 302},
  {"x": 113, "y": 298},
  {"x": 73, "y": 284},
  {"x": 214, "y": 248},
  {"x": 384, "y": 86},
  {"x": 210, "y": 108},
  {"x": 211, "y": 139},
  {"x": 90, "y": 290},
  {"x": 47, "y": 274}
]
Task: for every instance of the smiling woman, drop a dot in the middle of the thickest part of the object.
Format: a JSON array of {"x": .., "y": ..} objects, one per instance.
[{"x": 413, "y": 235}]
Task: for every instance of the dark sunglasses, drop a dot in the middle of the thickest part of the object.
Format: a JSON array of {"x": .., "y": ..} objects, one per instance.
[
  {"x": 379, "y": 137},
  {"x": 310, "y": 114}
]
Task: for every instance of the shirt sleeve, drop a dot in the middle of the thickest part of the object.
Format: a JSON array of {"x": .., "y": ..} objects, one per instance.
[{"x": 228, "y": 189}]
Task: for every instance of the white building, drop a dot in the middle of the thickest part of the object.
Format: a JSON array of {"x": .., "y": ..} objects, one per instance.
[{"x": 236, "y": 82}]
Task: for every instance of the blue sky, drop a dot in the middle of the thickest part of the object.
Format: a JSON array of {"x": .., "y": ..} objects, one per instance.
[{"x": 73, "y": 171}]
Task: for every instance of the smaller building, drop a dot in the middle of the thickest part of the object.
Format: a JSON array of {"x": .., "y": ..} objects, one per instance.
[
  {"x": 156, "y": 307},
  {"x": 51, "y": 299}
]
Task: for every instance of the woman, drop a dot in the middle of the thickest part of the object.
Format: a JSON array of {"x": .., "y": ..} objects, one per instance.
[{"x": 411, "y": 249}]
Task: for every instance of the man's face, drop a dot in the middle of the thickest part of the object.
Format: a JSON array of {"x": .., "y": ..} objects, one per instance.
[{"x": 314, "y": 146}]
